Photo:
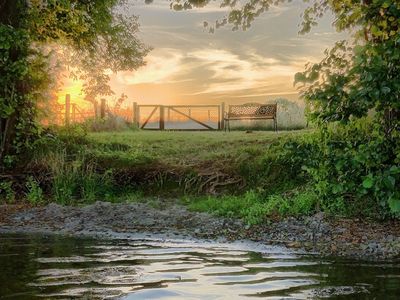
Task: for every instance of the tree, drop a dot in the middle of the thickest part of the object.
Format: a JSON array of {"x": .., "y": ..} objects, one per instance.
[
  {"x": 357, "y": 78},
  {"x": 98, "y": 40}
]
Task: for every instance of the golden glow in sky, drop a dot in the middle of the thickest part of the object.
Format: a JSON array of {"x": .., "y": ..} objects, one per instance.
[
  {"x": 72, "y": 87},
  {"x": 189, "y": 65}
]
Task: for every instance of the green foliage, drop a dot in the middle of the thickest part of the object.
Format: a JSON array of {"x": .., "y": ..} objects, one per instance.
[
  {"x": 76, "y": 180},
  {"x": 7, "y": 193},
  {"x": 108, "y": 124},
  {"x": 281, "y": 167},
  {"x": 16, "y": 102},
  {"x": 255, "y": 208},
  {"x": 357, "y": 169},
  {"x": 301, "y": 203},
  {"x": 34, "y": 193}
]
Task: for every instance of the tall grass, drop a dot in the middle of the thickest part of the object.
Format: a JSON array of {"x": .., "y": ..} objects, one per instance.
[
  {"x": 76, "y": 180},
  {"x": 254, "y": 208}
]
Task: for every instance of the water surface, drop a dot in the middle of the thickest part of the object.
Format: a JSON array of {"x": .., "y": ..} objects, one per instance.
[{"x": 55, "y": 267}]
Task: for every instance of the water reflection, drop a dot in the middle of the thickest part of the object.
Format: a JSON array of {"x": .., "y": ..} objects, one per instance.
[{"x": 59, "y": 267}]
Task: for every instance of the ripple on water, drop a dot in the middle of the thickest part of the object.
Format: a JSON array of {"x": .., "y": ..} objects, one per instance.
[{"x": 140, "y": 269}]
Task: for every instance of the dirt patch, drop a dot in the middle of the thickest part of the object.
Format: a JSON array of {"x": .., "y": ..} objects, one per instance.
[{"x": 339, "y": 237}]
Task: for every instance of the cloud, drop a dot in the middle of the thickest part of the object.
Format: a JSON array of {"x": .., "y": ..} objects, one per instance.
[
  {"x": 162, "y": 64},
  {"x": 232, "y": 72},
  {"x": 216, "y": 71}
]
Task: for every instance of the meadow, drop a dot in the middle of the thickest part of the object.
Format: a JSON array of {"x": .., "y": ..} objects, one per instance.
[
  {"x": 253, "y": 175},
  {"x": 221, "y": 172}
]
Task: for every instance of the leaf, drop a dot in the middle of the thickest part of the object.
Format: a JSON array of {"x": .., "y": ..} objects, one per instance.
[
  {"x": 389, "y": 182},
  {"x": 394, "y": 205},
  {"x": 368, "y": 183},
  {"x": 394, "y": 170},
  {"x": 337, "y": 188}
]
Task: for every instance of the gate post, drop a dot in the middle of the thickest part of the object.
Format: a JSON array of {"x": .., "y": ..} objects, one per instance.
[
  {"x": 162, "y": 120},
  {"x": 135, "y": 114},
  {"x": 67, "y": 108},
  {"x": 222, "y": 116}
]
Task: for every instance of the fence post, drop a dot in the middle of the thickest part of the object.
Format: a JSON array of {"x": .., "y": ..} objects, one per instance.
[
  {"x": 67, "y": 108},
  {"x": 219, "y": 117},
  {"x": 162, "y": 121},
  {"x": 73, "y": 112},
  {"x": 103, "y": 108},
  {"x": 135, "y": 114},
  {"x": 222, "y": 116}
]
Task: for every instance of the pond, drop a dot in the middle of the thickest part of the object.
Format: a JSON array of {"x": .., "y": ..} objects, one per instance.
[{"x": 57, "y": 267}]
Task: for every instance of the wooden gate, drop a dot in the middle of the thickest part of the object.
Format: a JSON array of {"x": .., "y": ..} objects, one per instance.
[{"x": 179, "y": 117}]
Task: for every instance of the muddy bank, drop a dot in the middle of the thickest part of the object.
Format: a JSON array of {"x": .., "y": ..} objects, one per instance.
[{"x": 339, "y": 237}]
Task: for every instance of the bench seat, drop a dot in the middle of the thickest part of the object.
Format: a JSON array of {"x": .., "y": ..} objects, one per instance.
[{"x": 251, "y": 111}]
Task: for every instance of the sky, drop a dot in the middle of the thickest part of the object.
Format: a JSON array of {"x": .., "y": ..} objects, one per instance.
[{"x": 189, "y": 65}]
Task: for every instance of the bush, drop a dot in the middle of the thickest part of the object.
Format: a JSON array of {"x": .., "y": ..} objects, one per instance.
[
  {"x": 351, "y": 167},
  {"x": 357, "y": 173},
  {"x": 111, "y": 123},
  {"x": 34, "y": 192},
  {"x": 7, "y": 193},
  {"x": 281, "y": 169}
]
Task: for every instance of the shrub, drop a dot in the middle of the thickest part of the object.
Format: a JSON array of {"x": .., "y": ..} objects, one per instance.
[
  {"x": 77, "y": 180},
  {"x": 34, "y": 193},
  {"x": 357, "y": 172},
  {"x": 281, "y": 169},
  {"x": 7, "y": 193},
  {"x": 111, "y": 123}
]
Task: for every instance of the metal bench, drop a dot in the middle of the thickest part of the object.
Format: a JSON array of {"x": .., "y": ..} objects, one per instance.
[{"x": 251, "y": 111}]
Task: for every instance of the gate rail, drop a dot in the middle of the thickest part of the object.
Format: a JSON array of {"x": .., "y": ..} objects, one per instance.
[{"x": 177, "y": 109}]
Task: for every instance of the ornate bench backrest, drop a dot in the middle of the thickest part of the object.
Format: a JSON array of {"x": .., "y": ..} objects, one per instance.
[{"x": 252, "y": 110}]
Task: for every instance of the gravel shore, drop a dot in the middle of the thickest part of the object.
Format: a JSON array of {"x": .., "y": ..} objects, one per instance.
[{"x": 351, "y": 238}]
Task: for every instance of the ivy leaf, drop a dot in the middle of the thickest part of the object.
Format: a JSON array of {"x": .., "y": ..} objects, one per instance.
[
  {"x": 386, "y": 90},
  {"x": 394, "y": 205},
  {"x": 368, "y": 183},
  {"x": 394, "y": 170},
  {"x": 389, "y": 182}
]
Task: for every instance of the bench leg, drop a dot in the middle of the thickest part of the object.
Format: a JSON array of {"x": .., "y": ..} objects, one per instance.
[{"x": 276, "y": 125}]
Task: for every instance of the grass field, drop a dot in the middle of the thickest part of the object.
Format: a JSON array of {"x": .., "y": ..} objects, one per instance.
[
  {"x": 194, "y": 147},
  {"x": 227, "y": 173},
  {"x": 235, "y": 173}
]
